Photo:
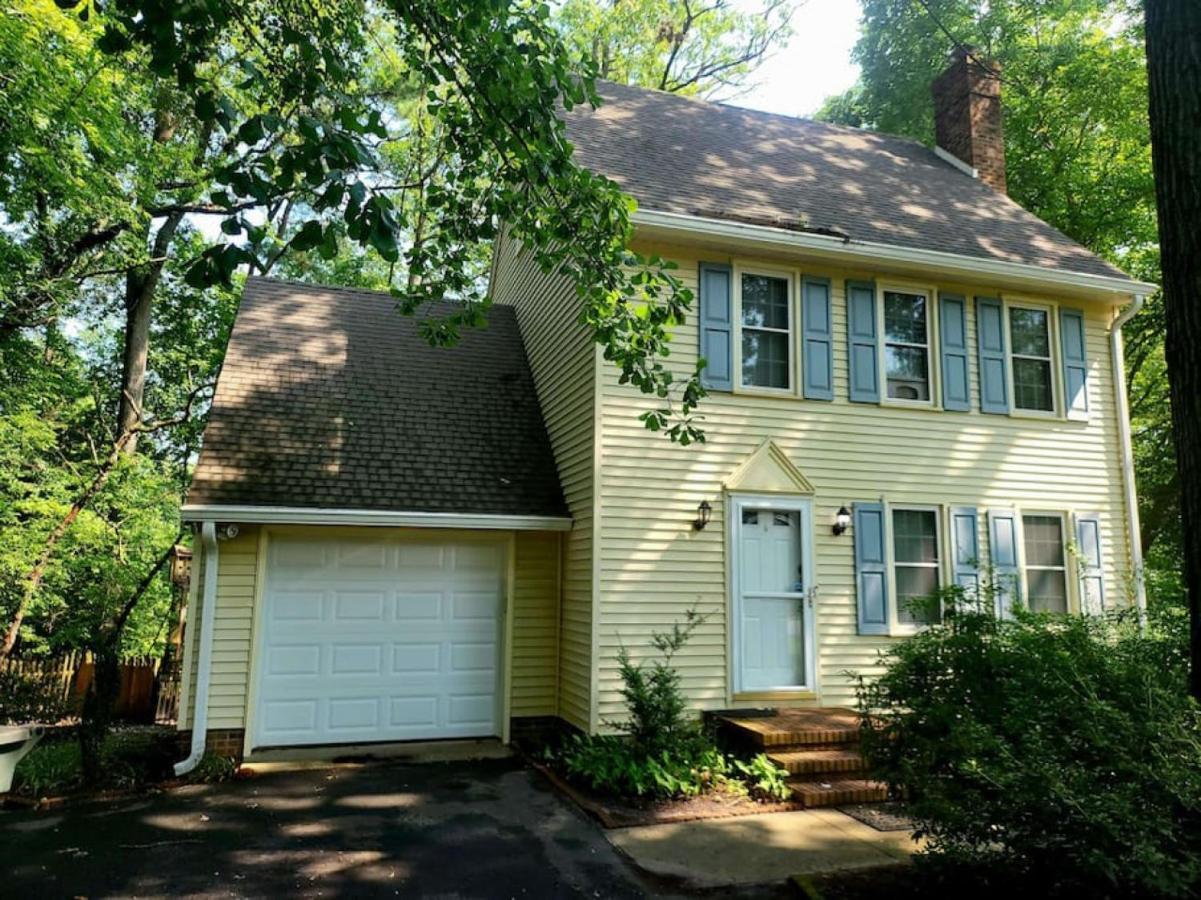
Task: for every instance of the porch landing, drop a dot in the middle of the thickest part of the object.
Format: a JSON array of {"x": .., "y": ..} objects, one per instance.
[{"x": 818, "y": 747}]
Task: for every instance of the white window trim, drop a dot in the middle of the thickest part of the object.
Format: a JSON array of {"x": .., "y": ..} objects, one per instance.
[
  {"x": 895, "y": 625},
  {"x": 933, "y": 350},
  {"x": 735, "y": 504},
  {"x": 1051, "y": 308},
  {"x": 1069, "y": 577},
  {"x": 791, "y": 277}
]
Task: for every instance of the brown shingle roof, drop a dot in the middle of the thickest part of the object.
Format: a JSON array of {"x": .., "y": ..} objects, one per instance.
[
  {"x": 679, "y": 155},
  {"x": 330, "y": 398}
]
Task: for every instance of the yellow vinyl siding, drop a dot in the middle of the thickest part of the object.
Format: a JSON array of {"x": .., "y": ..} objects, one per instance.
[
  {"x": 237, "y": 563},
  {"x": 536, "y": 625},
  {"x": 534, "y": 660},
  {"x": 653, "y": 566},
  {"x": 562, "y": 357}
]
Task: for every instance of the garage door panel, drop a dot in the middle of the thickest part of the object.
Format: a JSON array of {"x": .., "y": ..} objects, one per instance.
[
  {"x": 293, "y": 659},
  {"x": 375, "y": 641},
  {"x": 356, "y": 659},
  {"x": 411, "y": 607},
  {"x": 372, "y": 605},
  {"x": 297, "y": 606}
]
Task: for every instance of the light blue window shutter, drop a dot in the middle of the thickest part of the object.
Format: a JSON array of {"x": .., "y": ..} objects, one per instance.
[
  {"x": 952, "y": 318},
  {"x": 965, "y": 546},
  {"x": 863, "y": 347},
  {"x": 990, "y": 338},
  {"x": 1075, "y": 363},
  {"x": 716, "y": 324},
  {"x": 1092, "y": 576},
  {"x": 818, "y": 354},
  {"x": 1003, "y": 552},
  {"x": 871, "y": 568}
]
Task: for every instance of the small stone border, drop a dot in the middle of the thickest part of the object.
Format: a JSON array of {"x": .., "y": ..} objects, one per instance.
[{"x": 620, "y": 816}]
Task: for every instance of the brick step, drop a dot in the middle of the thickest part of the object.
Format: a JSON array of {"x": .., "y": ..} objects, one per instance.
[
  {"x": 812, "y": 763},
  {"x": 838, "y": 792},
  {"x": 795, "y": 729}
]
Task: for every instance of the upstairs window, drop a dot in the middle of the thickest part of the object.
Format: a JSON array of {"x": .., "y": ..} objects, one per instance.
[
  {"x": 1046, "y": 563},
  {"x": 766, "y": 331},
  {"x": 1030, "y": 338},
  {"x": 916, "y": 565},
  {"x": 907, "y": 345}
]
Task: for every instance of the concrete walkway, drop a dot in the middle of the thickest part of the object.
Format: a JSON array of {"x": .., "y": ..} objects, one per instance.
[{"x": 760, "y": 849}]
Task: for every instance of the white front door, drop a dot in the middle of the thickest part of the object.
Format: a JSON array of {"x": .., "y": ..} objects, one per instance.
[
  {"x": 379, "y": 639},
  {"x": 773, "y": 580}
]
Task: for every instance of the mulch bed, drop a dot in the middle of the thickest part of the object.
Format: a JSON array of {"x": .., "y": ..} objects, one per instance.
[{"x": 616, "y": 813}]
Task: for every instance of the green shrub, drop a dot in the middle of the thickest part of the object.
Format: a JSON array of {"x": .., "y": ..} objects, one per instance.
[
  {"x": 616, "y": 766},
  {"x": 28, "y": 698},
  {"x": 763, "y": 778},
  {"x": 664, "y": 752},
  {"x": 131, "y": 758},
  {"x": 213, "y": 768},
  {"x": 659, "y": 719},
  {"x": 50, "y": 769},
  {"x": 1064, "y": 749}
]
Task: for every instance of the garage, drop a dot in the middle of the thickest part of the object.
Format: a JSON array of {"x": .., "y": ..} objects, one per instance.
[{"x": 379, "y": 638}]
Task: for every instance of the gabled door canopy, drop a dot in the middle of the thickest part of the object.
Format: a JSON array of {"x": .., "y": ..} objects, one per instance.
[{"x": 767, "y": 471}]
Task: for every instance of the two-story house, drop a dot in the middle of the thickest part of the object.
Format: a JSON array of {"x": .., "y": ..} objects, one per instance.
[{"x": 913, "y": 383}]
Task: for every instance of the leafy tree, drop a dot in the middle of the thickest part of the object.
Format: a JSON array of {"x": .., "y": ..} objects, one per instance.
[
  {"x": 701, "y": 48},
  {"x": 1077, "y": 153}
]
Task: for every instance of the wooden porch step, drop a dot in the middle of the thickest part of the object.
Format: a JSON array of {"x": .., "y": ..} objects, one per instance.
[
  {"x": 812, "y": 763},
  {"x": 794, "y": 729},
  {"x": 838, "y": 792}
]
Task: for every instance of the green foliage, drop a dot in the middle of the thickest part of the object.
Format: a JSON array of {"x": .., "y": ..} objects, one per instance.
[
  {"x": 674, "y": 45},
  {"x": 617, "y": 766},
  {"x": 212, "y": 769},
  {"x": 1063, "y": 749},
  {"x": 664, "y": 752},
  {"x": 28, "y": 698},
  {"x": 132, "y": 759},
  {"x": 659, "y": 721},
  {"x": 764, "y": 779}
]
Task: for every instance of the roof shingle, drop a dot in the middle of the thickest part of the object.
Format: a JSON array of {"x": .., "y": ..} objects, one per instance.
[
  {"x": 330, "y": 398},
  {"x": 679, "y": 155}
]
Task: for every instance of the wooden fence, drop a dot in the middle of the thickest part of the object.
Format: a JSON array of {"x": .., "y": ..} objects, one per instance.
[{"x": 145, "y": 694}]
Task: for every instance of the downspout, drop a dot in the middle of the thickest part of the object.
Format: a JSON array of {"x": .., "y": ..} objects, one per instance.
[
  {"x": 204, "y": 667},
  {"x": 1134, "y": 535}
]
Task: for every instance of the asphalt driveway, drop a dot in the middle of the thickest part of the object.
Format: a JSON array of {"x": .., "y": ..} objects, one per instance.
[{"x": 480, "y": 829}]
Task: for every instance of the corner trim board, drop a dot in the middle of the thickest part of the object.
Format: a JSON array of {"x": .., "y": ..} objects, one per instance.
[{"x": 285, "y": 515}]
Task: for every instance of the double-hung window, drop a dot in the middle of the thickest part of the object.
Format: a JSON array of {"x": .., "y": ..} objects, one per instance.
[
  {"x": 907, "y": 345},
  {"x": 1030, "y": 340},
  {"x": 766, "y": 321},
  {"x": 1045, "y": 563},
  {"x": 917, "y": 565}
]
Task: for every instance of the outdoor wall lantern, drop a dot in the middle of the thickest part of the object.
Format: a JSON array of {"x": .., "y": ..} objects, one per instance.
[
  {"x": 703, "y": 513},
  {"x": 842, "y": 521}
]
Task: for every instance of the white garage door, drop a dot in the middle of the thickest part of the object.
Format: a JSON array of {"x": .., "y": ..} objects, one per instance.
[{"x": 378, "y": 640}]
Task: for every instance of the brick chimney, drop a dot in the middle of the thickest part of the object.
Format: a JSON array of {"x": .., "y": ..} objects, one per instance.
[{"x": 967, "y": 115}]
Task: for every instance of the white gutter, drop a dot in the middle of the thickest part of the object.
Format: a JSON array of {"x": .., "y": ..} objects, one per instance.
[
  {"x": 288, "y": 515},
  {"x": 204, "y": 668},
  {"x": 1134, "y": 535},
  {"x": 870, "y": 253}
]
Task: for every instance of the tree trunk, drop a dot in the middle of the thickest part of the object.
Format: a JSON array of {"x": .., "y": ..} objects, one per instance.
[
  {"x": 140, "y": 284},
  {"x": 96, "y": 717},
  {"x": 1174, "y": 79}
]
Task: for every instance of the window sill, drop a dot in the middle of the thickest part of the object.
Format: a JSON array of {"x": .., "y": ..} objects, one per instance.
[{"x": 759, "y": 696}]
